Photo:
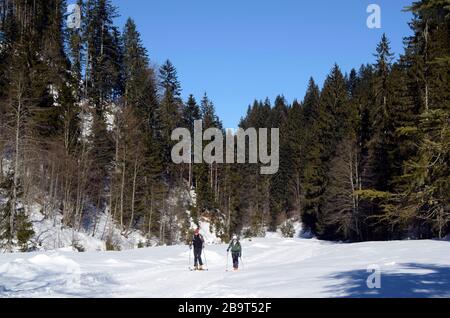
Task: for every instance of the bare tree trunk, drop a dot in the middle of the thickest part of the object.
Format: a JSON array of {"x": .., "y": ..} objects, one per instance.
[
  {"x": 151, "y": 215},
  {"x": 1, "y": 165},
  {"x": 54, "y": 195},
  {"x": 111, "y": 217},
  {"x": 50, "y": 191},
  {"x": 86, "y": 74},
  {"x": 80, "y": 186},
  {"x": 162, "y": 223},
  {"x": 122, "y": 190},
  {"x": 211, "y": 177},
  {"x": 96, "y": 218},
  {"x": 66, "y": 201},
  {"x": 190, "y": 175},
  {"x": 115, "y": 208},
  {"x": 297, "y": 192},
  {"x": 426, "y": 35},
  {"x": 356, "y": 197},
  {"x": 216, "y": 183},
  {"x": 133, "y": 195},
  {"x": 353, "y": 189},
  {"x": 442, "y": 222},
  {"x": 16, "y": 167}
]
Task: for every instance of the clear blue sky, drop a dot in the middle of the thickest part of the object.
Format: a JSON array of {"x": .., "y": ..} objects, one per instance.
[{"x": 241, "y": 50}]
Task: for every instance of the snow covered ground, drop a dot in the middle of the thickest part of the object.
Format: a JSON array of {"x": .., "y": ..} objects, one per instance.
[
  {"x": 273, "y": 267},
  {"x": 50, "y": 234}
]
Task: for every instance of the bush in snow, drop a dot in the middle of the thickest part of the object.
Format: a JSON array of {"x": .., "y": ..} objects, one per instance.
[
  {"x": 255, "y": 230},
  {"x": 288, "y": 229},
  {"x": 25, "y": 232},
  {"x": 112, "y": 245},
  {"x": 22, "y": 227}
]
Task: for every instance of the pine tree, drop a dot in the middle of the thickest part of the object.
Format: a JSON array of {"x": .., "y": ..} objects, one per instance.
[
  {"x": 278, "y": 193},
  {"x": 382, "y": 143},
  {"x": 6, "y": 207},
  {"x": 103, "y": 53},
  {"x": 424, "y": 184},
  {"x": 170, "y": 112},
  {"x": 76, "y": 53},
  {"x": 191, "y": 113},
  {"x": 25, "y": 231},
  {"x": 253, "y": 200},
  {"x": 333, "y": 118},
  {"x": 206, "y": 175},
  {"x": 293, "y": 132},
  {"x": 142, "y": 159},
  {"x": 311, "y": 106},
  {"x": 136, "y": 65}
]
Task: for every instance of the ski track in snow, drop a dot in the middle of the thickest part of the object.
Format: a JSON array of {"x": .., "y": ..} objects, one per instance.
[{"x": 272, "y": 268}]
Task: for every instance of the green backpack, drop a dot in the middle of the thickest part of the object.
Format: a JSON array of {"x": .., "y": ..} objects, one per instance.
[{"x": 236, "y": 247}]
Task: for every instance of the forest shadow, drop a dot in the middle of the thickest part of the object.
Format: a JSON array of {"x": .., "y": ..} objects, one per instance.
[{"x": 435, "y": 283}]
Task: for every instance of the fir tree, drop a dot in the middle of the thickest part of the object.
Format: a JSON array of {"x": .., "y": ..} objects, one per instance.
[{"x": 170, "y": 112}]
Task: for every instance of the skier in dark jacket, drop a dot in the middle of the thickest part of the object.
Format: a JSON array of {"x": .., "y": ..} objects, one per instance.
[
  {"x": 198, "y": 243},
  {"x": 236, "y": 251}
]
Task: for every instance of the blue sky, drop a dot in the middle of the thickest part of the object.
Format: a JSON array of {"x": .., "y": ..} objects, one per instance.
[{"x": 241, "y": 50}]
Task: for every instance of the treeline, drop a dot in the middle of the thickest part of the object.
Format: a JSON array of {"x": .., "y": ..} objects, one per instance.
[
  {"x": 367, "y": 156},
  {"x": 86, "y": 124}
]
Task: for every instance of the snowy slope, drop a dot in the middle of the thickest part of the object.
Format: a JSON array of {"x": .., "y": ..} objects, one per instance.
[
  {"x": 97, "y": 227},
  {"x": 273, "y": 267},
  {"x": 50, "y": 234}
]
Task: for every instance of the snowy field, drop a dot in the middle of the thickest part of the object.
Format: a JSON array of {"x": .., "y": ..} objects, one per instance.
[{"x": 273, "y": 267}]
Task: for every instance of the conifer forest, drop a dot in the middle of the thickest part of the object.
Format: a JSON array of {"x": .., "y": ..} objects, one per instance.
[{"x": 86, "y": 119}]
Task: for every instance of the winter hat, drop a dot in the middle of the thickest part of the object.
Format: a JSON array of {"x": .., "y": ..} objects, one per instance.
[{"x": 235, "y": 237}]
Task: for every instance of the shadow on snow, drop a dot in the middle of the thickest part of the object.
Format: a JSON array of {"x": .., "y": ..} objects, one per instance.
[{"x": 430, "y": 281}]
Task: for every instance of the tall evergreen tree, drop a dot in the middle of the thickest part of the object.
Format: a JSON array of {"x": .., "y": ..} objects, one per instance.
[
  {"x": 278, "y": 193},
  {"x": 170, "y": 113},
  {"x": 206, "y": 174},
  {"x": 103, "y": 53},
  {"x": 140, "y": 88},
  {"x": 191, "y": 113},
  {"x": 332, "y": 119},
  {"x": 423, "y": 200}
]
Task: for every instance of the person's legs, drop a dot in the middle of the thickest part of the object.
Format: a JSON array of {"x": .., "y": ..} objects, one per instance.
[
  {"x": 200, "y": 261},
  {"x": 235, "y": 260},
  {"x": 198, "y": 257},
  {"x": 195, "y": 259}
]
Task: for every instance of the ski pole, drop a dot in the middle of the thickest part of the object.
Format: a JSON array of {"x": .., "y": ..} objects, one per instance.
[
  {"x": 190, "y": 252},
  {"x": 206, "y": 261}
]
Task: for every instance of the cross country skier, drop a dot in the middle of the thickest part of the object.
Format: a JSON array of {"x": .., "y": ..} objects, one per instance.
[
  {"x": 236, "y": 251},
  {"x": 198, "y": 243}
]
